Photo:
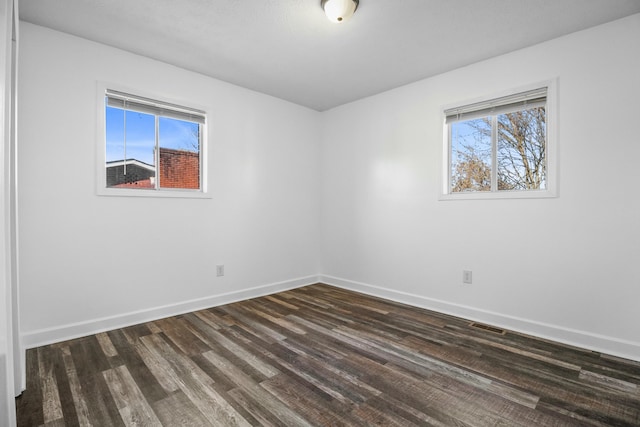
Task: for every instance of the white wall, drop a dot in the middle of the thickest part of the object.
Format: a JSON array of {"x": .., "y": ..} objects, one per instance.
[
  {"x": 564, "y": 268},
  {"x": 79, "y": 272},
  {"x": 371, "y": 168}
]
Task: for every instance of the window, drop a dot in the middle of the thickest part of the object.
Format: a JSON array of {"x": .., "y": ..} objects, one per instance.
[
  {"x": 499, "y": 147},
  {"x": 151, "y": 147}
]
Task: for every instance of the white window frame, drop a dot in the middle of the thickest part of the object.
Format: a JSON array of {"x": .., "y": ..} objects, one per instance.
[
  {"x": 101, "y": 146},
  {"x": 551, "y": 189}
]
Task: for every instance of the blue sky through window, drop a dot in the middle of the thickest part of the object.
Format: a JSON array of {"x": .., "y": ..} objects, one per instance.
[{"x": 140, "y": 135}]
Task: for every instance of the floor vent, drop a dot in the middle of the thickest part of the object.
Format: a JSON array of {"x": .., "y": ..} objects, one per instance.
[{"x": 488, "y": 328}]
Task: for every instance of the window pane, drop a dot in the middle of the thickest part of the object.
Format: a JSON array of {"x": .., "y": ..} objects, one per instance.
[
  {"x": 179, "y": 153},
  {"x": 521, "y": 150},
  {"x": 471, "y": 155},
  {"x": 130, "y": 149}
]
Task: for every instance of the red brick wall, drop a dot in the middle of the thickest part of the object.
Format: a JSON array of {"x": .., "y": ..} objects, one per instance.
[{"x": 179, "y": 169}]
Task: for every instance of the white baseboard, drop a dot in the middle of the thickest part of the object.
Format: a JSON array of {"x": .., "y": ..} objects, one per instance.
[
  {"x": 586, "y": 340},
  {"x": 76, "y": 330}
]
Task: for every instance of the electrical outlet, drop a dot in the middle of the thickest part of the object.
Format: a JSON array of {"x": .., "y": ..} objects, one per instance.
[
  {"x": 467, "y": 277},
  {"x": 219, "y": 270}
]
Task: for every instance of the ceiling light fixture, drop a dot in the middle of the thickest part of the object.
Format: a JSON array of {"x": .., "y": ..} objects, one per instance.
[{"x": 339, "y": 10}]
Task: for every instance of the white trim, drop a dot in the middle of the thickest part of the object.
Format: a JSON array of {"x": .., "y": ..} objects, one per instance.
[
  {"x": 551, "y": 150},
  {"x": 127, "y": 101},
  {"x": 101, "y": 180},
  {"x": 165, "y": 193},
  {"x": 502, "y": 194},
  {"x": 76, "y": 330},
  {"x": 577, "y": 338},
  {"x": 500, "y": 105}
]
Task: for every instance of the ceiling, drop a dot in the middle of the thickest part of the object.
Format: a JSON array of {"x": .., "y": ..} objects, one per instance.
[{"x": 288, "y": 49}]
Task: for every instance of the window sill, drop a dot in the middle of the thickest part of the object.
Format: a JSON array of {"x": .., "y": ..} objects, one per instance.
[
  {"x": 530, "y": 194},
  {"x": 171, "y": 194}
]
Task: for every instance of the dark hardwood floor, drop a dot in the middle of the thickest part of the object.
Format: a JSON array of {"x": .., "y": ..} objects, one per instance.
[{"x": 323, "y": 356}]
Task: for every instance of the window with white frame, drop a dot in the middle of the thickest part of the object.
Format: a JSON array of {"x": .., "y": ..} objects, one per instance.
[
  {"x": 151, "y": 146},
  {"x": 499, "y": 147}
]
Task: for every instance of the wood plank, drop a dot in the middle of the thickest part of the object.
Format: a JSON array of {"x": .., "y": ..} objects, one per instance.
[
  {"x": 185, "y": 340},
  {"x": 195, "y": 384},
  {"x": 51, "y": 406},
  {"x": 216, "y": 340},
  {"x": 126, "y": 348},
  {"x": 159, "y": 368},
  {"x": 309, "y": 404},
  {"x": 106, "y": 345},
  {"x": 29, "y": 408},
  {"x": 320, "y": 355},
  {"x": 257, "y": 393},
  {"x": 178, "y": 410},
  {"x": 133, "y": 407},
  {"x": 101, "y": 408},
  {"x": 254, "y": 323},
  {"x": 77, "y": 395},
  {"x": 258, "y": 412}
]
